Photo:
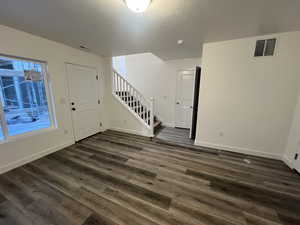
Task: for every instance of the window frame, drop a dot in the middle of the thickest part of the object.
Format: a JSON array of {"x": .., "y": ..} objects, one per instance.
[{"x": 50, "y": 104}]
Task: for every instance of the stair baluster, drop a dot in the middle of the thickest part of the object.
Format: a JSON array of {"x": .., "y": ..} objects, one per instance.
[{"x": 136, "y": 103}]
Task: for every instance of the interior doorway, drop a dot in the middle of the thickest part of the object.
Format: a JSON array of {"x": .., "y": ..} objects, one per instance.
[
  {"x": 186, "y": 111},
  {"x": 184, "y": 99},
  {"x": 84, "y": 96},
  {"x": 196, "y": 103},
  {"x": 187, "y": 99}
]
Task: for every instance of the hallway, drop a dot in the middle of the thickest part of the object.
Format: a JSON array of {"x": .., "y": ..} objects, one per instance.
[{"x": 175, "y": 135}]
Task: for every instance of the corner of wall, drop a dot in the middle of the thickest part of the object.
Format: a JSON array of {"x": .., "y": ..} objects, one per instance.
[{"x": 288, "y": 162}]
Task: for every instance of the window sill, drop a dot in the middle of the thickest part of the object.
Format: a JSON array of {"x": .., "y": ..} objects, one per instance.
[{"x": 28, "y": 135}]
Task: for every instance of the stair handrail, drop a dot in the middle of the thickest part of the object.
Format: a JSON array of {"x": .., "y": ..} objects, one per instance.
[
  {"x": 120, "y": 84},
  {"x": 148, "y": 101}
]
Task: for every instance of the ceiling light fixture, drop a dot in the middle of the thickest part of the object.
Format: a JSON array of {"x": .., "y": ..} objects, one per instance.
[
  {"x": 180, "y": 42},
  {"x": 138, "y": 6}
]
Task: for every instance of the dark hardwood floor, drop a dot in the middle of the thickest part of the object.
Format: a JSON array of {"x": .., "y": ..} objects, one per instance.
[
  {"x": 174, "y": 135},
  {"x": 119, "y": 179}
]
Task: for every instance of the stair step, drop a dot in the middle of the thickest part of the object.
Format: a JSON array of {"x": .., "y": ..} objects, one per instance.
[{"x": 157, "y": 125}]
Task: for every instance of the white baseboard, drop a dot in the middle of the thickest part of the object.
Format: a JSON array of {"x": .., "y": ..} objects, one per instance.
[
  {"x": 33, "y": 157},
  {"x": 103, "y": 130},
  {"x": 168, "y": 125},
  {"x": 288, "y": 162},
  {"x": 124, "y": 130},
  {"x": 239, "y": 150}
]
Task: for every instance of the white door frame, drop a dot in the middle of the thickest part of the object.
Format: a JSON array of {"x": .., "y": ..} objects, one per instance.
[
  {"x": 69, "y": 94},
  {"x": 176, "y": 91}
]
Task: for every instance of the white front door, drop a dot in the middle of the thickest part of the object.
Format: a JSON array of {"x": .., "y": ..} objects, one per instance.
[
  {"x": 184, "y": 98},
  {"x": 84, "y": 100}
]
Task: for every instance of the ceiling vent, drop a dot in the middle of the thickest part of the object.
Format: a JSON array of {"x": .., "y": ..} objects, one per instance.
[{"x": 265, "y": 47}]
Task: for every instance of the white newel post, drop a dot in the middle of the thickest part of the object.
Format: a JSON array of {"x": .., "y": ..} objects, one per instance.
[{"x": 152, "y": 115}]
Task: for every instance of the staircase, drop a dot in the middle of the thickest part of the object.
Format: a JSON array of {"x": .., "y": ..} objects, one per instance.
[{"x": 135, "y": 102}]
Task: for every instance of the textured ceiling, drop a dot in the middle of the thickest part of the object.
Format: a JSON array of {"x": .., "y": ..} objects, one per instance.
[{"x": 108, "y": 28}]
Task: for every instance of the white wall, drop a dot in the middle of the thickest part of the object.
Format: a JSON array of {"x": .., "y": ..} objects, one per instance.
[
  {"x": 119, "y": 65},
  {"x": 247, "y": 103},
  {"x": 293, "y": 142},
  {"x": 17, "y": 43},
  {"x": 156, "y": 78}
]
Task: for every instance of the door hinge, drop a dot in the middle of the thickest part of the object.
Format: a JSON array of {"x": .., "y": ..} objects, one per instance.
[
  {"x": 296, "y": 156},
  {"x": 97, "y": 77}
]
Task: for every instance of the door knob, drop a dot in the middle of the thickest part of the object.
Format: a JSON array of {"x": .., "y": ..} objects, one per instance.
[{"x": 73, "y": 109}]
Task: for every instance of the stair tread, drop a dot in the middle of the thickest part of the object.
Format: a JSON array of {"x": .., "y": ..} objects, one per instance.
[{"x": 157, "y": 123}]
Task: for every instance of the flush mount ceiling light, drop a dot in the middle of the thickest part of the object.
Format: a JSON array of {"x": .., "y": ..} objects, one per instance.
[
  {"x": 180, "y": 42},
  {"x": 138, "y": 6}
]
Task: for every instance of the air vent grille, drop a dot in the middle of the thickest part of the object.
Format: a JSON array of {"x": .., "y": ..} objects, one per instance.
[{"x": 265, "y": 47}]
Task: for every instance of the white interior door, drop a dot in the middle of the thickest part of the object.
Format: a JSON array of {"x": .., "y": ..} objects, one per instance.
[
  {"x": 84, "y": 100},
  {"x": 184, "y": 99}
]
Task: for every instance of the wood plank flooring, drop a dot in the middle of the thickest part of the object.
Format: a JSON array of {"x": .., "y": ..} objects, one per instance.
[
  {"x": 120, "y": 179},
  {"x": 174, "y": 135}
]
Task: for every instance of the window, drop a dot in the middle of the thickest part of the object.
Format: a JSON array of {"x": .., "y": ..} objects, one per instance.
[
  {"x": 265, "y": 47},
  {"x": 119, "y": 65},
  {"x": 23, "y": 97},
  {"x": 1, "y": 133}
]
